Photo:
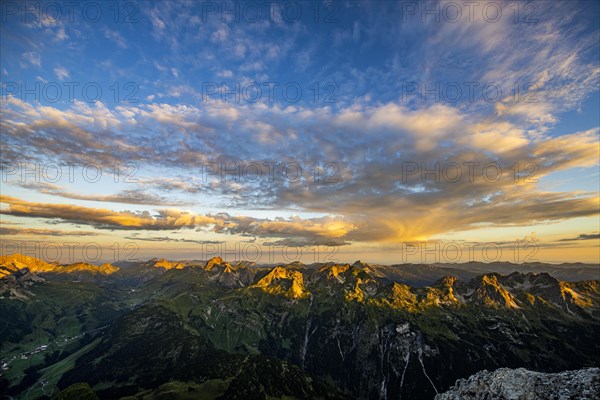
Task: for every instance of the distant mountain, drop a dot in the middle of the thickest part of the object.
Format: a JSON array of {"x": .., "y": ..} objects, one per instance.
[
  {"x": 565, "y": 272},
  {"x": 14, "y": 262},
  {"x": 324, "y": 330}
]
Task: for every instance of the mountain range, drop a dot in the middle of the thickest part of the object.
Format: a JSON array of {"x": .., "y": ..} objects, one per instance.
[{"x": 210, "y": 329}]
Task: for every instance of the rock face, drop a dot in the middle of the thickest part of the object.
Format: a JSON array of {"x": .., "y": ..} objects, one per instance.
[
  {"x": 517, "y": 384},
  {"x": 281, "y": 280}
]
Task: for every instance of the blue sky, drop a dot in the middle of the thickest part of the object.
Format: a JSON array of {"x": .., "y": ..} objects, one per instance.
[{"x": 364, "y": 97}]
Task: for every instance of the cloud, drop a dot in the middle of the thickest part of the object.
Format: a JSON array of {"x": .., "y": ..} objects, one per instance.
[
  {"x": 61, "y": 73},
  {"x": 61, "y": 35},
  {"x": 529, "y": 238},
  {"x": 129, "y": 196},
  {"x": 12, "y": 231},
  {"x": 370, "y": 135},
  {"x": 221, "y": 34},
  {"x": 583, "y": 236},
  {"x": 32, "y": 58},
  {"x": 323, "y": 228},
  {"x": 106, "y": 219},
  {"x": 115, "y": 37},
  {"x": 369, "y": 150},
  {"x": 225, "y": 73},
  {"x": 158, "y": 24},
  {"x": 170, "y": 239},
  {"x": 303, "y": 242}
]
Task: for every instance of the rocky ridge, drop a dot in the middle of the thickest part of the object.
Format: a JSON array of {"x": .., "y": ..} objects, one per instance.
[{"x": 517, "y": 384}]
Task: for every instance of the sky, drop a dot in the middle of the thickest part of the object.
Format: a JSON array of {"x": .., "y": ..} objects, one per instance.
[{"x": 386, "y": 131}]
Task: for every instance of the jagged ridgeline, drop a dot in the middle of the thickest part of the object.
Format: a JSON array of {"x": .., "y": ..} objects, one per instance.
[{"x": 213, "y": 330}]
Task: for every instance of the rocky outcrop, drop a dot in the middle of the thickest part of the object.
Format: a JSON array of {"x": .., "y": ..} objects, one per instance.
[
  {"x": 281, "y": 280},
  {"x": 215, "y": 262},
  {"x": 18, "y": 262},
  {"x": 10, "y": 264},
  {"x": 82, "y": 267},
  {"x": 16, "y": 284},
  {"x": 164, "y": 264},
  {"x": 517, "y": 384},
  {"x": 222, "y": 273}
]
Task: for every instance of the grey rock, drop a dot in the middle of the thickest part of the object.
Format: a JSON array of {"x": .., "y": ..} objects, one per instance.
[{"x": 521, "y": 384}]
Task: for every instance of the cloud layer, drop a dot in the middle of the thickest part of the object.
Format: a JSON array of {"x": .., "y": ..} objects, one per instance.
[{"x": 375, "y": 149}]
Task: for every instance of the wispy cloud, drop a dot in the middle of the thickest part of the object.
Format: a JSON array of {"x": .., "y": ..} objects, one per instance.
[
  {"x": 129, "y": 196},
  {"x": 176, "y": 240},
  {"x": 16, "y": 231},
  {"x": 115, "y": 37},
  {"x": 31, "y": 57},
  {"x": 583, "y": 236},
  {"x": 61, "y": 73}
]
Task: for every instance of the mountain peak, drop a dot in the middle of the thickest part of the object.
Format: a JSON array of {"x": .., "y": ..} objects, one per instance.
[
  {"x": 335, "y": 271},
  {"x": 228, "y": 276},
  {"x": 215, "y": 261},
  {"x": 489, "y": 291},
  {"x": 281, "y": 280},
  {"x": 166, "y": 264},
  {"x": 401, "y": 296},
  {"x": 447, "y": 281},
  {"x": 21, "y": 261},
  {"x": 104, "y": 269}
]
